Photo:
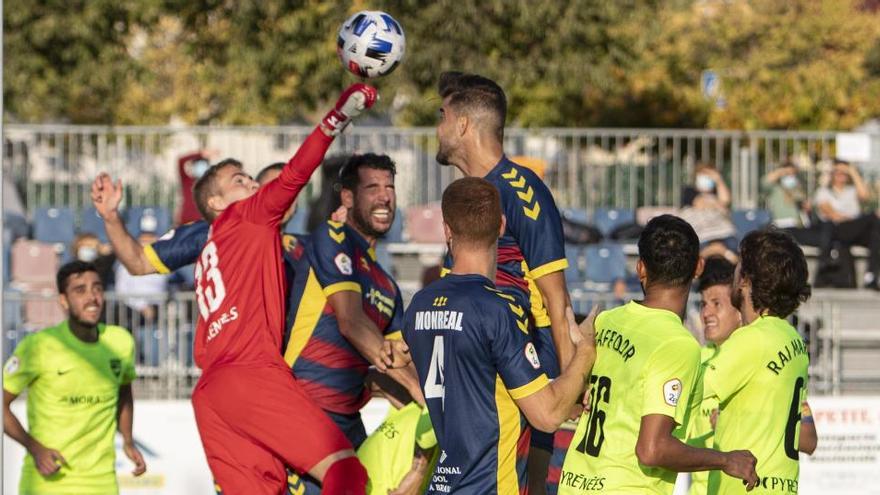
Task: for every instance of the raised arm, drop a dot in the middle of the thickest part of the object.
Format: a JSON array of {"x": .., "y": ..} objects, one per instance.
[
  {"x": 549, "y": 407},
  {"x": 106, "y": 196},
  {"x": 273, "y": 200}
]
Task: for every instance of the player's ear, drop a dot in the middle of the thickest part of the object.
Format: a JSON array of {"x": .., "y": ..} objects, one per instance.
[
  {"x": 642, "y": 272},
  {"x": 447, "y": 232},
  {"x": 217, "y": 203},
  {"x": 461, "y": 124},
  {"x": 346, "y": 196},
  {"x": 65, "y": 304},
  {"x": 503, "y": 225},
  {"x": 701, "y": 264}
]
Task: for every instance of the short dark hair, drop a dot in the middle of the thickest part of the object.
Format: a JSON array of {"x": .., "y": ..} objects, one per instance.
[
  {"x": 62, "y": 278},
  {"x": 472, "y": 209},
  {"x": 349, "y": 174},
  {"x": 716, "y": 271},
  {"x": 670, "y": 251},
  {"x": 775, "y": 266},
  {"x": 206, "y": 186},
  {"x": 475, "y": 96},
  {"x": 269, "y": 168}
]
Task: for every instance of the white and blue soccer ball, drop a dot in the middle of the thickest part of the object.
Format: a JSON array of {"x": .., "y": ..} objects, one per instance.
[{"x": 370, "y": 43}]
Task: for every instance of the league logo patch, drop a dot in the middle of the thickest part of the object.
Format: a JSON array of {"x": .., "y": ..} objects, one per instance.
[
  {"x": 167, "y": 235},
  {"x": 532, "y": 356},
  {"x": 672, "y": 391},
  {"x": 12, "y": 365},
  {"x": 116, "y": 367},
  {"x": 343, "y": 262}
]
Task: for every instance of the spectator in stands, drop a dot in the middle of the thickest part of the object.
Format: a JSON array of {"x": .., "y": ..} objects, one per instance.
[
  {"x": 840, "y": 204},
  {"x": 190, "y": 167},
  {"x": 87, "y": 247},
  {"x": 142, "y": 296},
  {"x": 789, "y": 205},
  {"x": 705, "y": 206}
]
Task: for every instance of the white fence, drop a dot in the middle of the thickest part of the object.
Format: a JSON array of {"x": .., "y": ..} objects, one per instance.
[{"x": 585, "y": 168}]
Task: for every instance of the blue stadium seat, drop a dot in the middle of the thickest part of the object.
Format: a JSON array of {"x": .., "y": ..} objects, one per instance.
[
  {"x": 155, "y": 219},
  {"x": 54, "y": 225},
  {"x": 297, "y": 223},
  {"x": 608, "y": 219},
  {"x": 395, "y": 233},
  {"x": 576, "y": 215},
  {"x": 749, "y": 220},
  {"x": 92, "y": 223},
  {"x": 606, "y": 262},
  {"x": 573, "y": 274}
]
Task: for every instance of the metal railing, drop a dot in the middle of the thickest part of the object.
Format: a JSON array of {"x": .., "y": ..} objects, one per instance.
[
  {"x": 844, "y": 341},
  {"x": 53, "y": 165}
]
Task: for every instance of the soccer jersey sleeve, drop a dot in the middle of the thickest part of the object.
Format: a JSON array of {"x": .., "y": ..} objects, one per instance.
[
  {"x": 178, "y": 247},
  {"x": 732, "y": 367},
  {"x": 128, "y": 372},
  {"x": 22, "y": 367},
  {"x": 534, "y": 220},
  {"x": 669, "y": 378},
  {"x": 394, "y": 330},
  {"x": 514, "y": 354},
  {"x": 331, "y": 255},
  {"x": 272, "y": 200}
]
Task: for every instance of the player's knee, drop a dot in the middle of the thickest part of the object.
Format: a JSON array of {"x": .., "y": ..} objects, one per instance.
[{"x": 345, "y": 477}]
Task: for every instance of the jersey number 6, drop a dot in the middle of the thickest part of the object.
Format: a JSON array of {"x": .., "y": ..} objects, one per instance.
[{"x": 211, "y": 293}]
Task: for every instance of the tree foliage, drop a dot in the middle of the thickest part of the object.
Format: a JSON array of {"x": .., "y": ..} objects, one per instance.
[{"x": 793, "y": 64}]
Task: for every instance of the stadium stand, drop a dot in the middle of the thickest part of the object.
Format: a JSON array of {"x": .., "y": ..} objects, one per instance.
[
  {"x": 54, "y": 226},
  {"x": 92, "y": 223},
  {"x": 152, "y": 219}
]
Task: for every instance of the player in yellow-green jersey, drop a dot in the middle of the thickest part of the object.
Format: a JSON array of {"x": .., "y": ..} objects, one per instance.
[
  {"x": 759, "y": 376},
  {"x": 78, "y": 375},
  {"x": 643, "y": 381},
  {"x": 720, "y": 318}
]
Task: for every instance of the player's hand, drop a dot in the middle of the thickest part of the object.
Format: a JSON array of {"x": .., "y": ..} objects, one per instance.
[
  {"x": 741, "y": 464},
  {"x": 340, "y": 215},
  {"x": 132, "y": 452},
  {"x": 395, "y": 354},
  {"x": 410, "y": 484},
  {"x": 585, "y": 333},
  {"x": 48, "y": 461},
  {"x": 106, "y": 195},
  {"x": 354, "y": 100}
]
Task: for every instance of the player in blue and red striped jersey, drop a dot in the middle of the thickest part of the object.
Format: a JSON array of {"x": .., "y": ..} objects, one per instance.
[
  {"x": 252, "y": 417},
  {"x": 478, "y": 366},
  {"x": 344, "y": 303},
  {"x": 531, "y": 251}
]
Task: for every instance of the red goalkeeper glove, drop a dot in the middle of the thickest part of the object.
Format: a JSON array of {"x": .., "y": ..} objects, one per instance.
[{"x": 354, "y": 100}]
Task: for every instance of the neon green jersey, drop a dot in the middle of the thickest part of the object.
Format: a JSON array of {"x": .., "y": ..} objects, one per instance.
[
  {"x": 699, "y": 431},
  {"x": 387, "y": 453},
  {"x": 73, "y": 390},
  {"x": 647, "y": 363},
  {"x": 760, "y": 379}
]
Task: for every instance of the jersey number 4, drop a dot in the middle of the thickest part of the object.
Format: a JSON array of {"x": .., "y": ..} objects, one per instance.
[
  {"x": 600, "y": 390},
  {"x": 210, "y": 290},
  {"x": 434, "y": 388}
]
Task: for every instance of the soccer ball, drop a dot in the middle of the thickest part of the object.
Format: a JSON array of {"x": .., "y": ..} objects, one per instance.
[{"x": 370, "y": 44}]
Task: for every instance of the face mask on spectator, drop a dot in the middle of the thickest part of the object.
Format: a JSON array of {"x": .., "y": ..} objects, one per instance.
[
  {"x": 87, "y": 254},
  {"x": 704, "y": 183},
  {"x": 789, "y": 181}
]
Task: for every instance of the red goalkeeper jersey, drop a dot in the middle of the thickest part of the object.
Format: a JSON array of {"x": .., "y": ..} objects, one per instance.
[{"x": 240, "y": 284}]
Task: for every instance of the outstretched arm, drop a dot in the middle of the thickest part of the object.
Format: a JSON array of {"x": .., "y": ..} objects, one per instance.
[
  {"x": 273, "y": 200},
  {"x": 106, "y": 196},
  {"x": 549, "y": 407},
  {"x": 125, "y": 419}
]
